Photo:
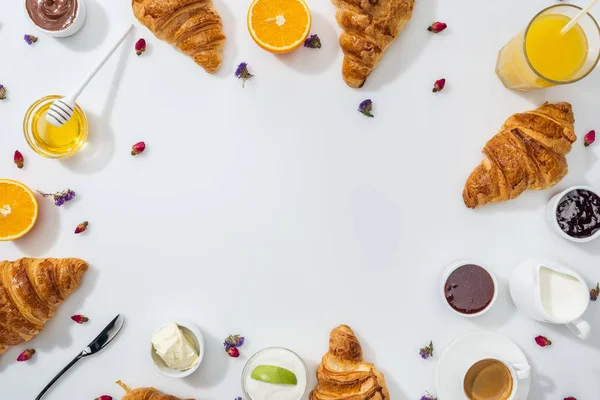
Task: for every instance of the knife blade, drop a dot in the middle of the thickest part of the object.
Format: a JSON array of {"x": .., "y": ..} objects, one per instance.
[{"x": 104, "y": 338}]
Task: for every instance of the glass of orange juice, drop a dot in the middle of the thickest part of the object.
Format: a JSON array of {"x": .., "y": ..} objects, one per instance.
[{"x": 540, "y": 56}]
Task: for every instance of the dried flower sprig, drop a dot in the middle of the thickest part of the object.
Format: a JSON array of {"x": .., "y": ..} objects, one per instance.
[
  {"x": 104, "y": 397},
  {"x": 2, "y": 92},
  {"x": 438, "y": 86},
  {"x": 570, "y": 398},
  {"x": 80, "y": 319},
  {"x": 231, "y": 344},
  {"x": 140, "y": 46},
  {"x": 313, "y": 42},
  {"x": 60, "y": 198},
  {"x": 428, "y": 396},
  {"x": 595, "y": 292},
  {"x": 242, "y": 73},
  {"x": 238, "y": 398},
  {"x": 437, "y": 27},
  {"x": 542, "y": 341},
  {"x": 427, "y": 351},
  {"x": 30, "y": 39},
  {"x": 589, "y": 138},
  {"x": 26, "y": 355},
  {"x": 365, "y": 107},
  {"x": 18, "y": 159},
  {"x": 138, "y": 148},
  {"x": 82, "y": 227}
]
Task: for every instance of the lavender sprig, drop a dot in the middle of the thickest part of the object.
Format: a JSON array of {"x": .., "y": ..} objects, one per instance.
[
  {"x": 428, "y": 396},
  {"x": 30, "y": 39},
  {"x": 427, "y": 351},
  {"x": 234, "y": 341},
  {"x": 60, "y": 198},
  {"x": 242, "y": 73}
]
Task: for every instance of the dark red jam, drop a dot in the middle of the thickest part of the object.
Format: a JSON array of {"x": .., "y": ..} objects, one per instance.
[
  {"x": 469, "y": 289},
  {"x": 578, "y": 213}
]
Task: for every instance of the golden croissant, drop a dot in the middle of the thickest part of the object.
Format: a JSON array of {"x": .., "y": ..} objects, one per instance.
[
  {"x": 193, "y": 26},
  {"x": 342, "y": 374},
  {"x": 369, "y": 27},
  {"x": 528, "y": 153},
  {"x": 145, "y": 394},
  {"x": 30, "y": 292}
]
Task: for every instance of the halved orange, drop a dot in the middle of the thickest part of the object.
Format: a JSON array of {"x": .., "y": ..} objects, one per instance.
[
  {"x": 279, "y": 26},
  {"x": 18, "y": 209}
]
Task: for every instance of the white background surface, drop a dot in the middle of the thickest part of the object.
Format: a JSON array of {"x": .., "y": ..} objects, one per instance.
[{"x": 278, "y": 211}]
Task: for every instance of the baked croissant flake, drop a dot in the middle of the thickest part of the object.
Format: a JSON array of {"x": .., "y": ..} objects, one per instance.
[
  {"x": 30, "y": 292},
  {"x": 528, "y": 153},
  {"x": 370, "y": 26},
  {"x": 145, "y": 394},
  {"x": 193, "y": 26},
  {"x": 342, "y": 374}
]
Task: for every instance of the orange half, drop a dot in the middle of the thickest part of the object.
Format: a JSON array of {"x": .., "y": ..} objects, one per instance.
[
  {"x": 18, "y": 209},
  {"x": 279, "y": 26}
]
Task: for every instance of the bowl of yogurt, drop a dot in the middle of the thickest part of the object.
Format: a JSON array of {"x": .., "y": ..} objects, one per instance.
[{"x": 275, "y": 364}]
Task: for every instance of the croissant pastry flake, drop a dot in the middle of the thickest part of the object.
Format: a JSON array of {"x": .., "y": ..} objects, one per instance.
[
  {"x": 30, "y": 292},
  {"x": 528, "y": 153},
  {"x": 149, "y": 393}
]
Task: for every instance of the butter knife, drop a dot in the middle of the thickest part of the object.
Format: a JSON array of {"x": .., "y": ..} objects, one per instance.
[{"x": 104, "y": 338}]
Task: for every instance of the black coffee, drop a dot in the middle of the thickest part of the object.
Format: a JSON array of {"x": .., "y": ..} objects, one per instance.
[{"x": 578, "y": 213}]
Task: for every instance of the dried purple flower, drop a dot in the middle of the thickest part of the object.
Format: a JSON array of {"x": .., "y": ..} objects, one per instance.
[
  {"x": 365, "y": 107},
  {"x": 242, "y": 73},
  {"x": 2, "y": 92},
  {"x": 595, "y": 292},
  {"x": 238, "y": 398},
  {"x": 30, "y": 39},
  {"x": 313, "y": 42},
  {"x": 427, "y": 351},
  {"x": 233, "y": 341},
  {"x": 428, "y": 396},
  {"x": 60, "y": 198}
]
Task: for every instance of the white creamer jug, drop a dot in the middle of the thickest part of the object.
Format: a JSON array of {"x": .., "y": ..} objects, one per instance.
[{"x": 550, "y": 292}]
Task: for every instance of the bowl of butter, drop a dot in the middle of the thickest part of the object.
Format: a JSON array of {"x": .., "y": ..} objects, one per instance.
[{"x": 177, "y": 349}]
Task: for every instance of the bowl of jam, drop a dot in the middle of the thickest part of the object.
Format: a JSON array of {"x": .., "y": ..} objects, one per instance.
[
  {"x": 468, "y": 288},
  {"x": 574, "y": 214}
]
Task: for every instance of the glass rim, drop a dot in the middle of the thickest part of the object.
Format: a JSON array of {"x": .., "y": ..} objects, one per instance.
[{"x": 525, "y": 44}]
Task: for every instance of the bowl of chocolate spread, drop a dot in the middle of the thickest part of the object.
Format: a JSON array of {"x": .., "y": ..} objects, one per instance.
[
  {"x": 468, "y": 288},
  {"x": 57, "y": 18},
  {"x": 574, "y": 214}
]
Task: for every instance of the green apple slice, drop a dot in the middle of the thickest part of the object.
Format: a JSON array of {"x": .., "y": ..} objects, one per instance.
[{"x": 274, "y": 374}]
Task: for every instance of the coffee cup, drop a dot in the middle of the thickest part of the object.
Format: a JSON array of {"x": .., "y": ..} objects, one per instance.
[{"x": 492, "y": 379}]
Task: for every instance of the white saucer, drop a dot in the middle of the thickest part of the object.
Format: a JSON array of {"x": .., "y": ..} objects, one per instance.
[{"x": 467, "y": 350}]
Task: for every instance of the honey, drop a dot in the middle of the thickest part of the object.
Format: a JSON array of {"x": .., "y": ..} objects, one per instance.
[{"x": 50, "y": 141}]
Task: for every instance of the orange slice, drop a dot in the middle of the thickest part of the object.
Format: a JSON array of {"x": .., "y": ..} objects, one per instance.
[
  {"x": 18, "y": 209},
  {"x": 279, "y": 26}
]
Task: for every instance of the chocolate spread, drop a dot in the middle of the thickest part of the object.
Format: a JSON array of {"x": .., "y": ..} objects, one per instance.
[{"x": 52, "y": 15}]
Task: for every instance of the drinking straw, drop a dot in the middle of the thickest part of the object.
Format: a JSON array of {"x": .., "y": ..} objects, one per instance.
[{"x": 573, "y": 21}]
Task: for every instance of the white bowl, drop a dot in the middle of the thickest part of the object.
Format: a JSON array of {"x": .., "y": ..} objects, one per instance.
[
  {"x": 192, "y": 331},
  {"x": 552, "y": 207},
  {"x": 453, "y": 267},
  {"x": 72, "y": 29}
]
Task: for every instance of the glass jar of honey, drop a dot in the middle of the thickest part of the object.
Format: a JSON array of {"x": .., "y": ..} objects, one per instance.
[{"x": 50, "y": 141}]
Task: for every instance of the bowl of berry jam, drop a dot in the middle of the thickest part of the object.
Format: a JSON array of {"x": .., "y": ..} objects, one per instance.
[
  {"x": 468, "y": 288},
  {"x": 574, "y": 214}
]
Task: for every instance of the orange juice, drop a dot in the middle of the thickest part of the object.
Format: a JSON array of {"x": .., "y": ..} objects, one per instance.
[
  {"x": 553, "y": 55},
  {"x": 540, "y": 56}
]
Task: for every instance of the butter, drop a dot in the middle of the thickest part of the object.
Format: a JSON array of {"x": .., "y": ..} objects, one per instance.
[{"x": 175, "y": 349}]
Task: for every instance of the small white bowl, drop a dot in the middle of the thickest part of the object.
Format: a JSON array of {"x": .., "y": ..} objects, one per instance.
[
  {"x": 453, "y": 267},
  {"x": 191, "y": 330},
  {"x": 72, "y": 29},
  {"x": 552, "y": 207}
]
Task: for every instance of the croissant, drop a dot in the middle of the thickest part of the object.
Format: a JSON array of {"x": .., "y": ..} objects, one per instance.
[
  {"x": 145, "y": 394},
  {"x": 528, "y": 153},
  {"x": 193, "y": 26},
  {"x": 369, "y": 27},
  {"x": 30, "y": 292},
  {"x": 342, "y": 374}
]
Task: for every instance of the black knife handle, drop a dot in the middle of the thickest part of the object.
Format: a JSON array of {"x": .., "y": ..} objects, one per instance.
[{"x": 61, "y": 373}]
